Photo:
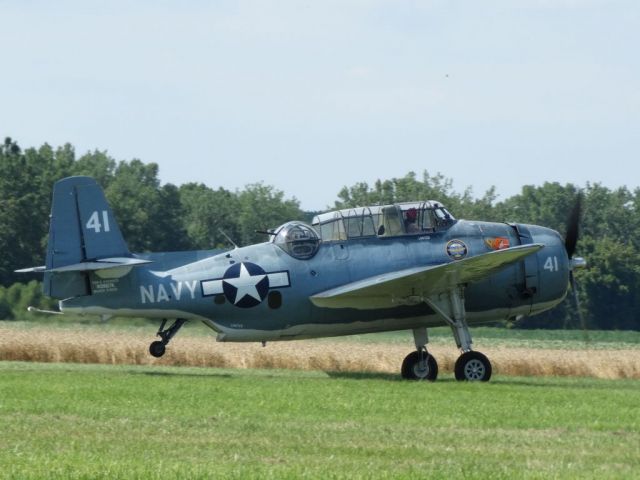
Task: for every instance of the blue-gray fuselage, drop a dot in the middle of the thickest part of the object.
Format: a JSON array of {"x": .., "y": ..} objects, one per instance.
[{"x": 261, "y": 292}]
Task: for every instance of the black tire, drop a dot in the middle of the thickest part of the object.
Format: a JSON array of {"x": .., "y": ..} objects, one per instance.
[
  {"x": 473, "y": 367},
  {"x": 157, "y": 349},
  {"x": 419, "y": 366}
]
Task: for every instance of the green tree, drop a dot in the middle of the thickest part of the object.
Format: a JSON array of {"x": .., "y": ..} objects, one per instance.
[
  {"x": 15, "y": 300},
  {"x": 97, "y": 165},
  {"x": 206, "y": 213},
  {"x": 149, "y": 215},
  {"x": 401, "y": 189},
  {"x": 261, "y": 207},
  {"x": 25, "y": 190},
  {"x": 6, "y": 312},
  {"x": 548, "y": 205},
  {"x": 482, "y": 208},
  {"x": 168, "y": 231},
  {"x": 609, "y": 213},
  {"x": 409, "y": 188},
  {"x": 610, "y": 285}
]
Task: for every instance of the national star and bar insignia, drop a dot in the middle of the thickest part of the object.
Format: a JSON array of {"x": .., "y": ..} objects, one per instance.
[{"x": 245, "y": 284}]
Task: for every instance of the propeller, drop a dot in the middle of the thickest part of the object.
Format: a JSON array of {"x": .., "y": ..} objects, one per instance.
[
  {"x": 573, "y": 226},
  {"x": 570, "y": 242}
]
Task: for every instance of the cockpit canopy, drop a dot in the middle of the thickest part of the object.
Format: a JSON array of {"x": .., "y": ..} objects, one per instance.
[
  {"x": 302, "y": 241},
  {"x": 384, "y": 221},
  {"x": 297, "y": 239}
]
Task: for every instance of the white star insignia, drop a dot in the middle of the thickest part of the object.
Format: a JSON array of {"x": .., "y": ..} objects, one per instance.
[{"x": 245, "y": 284}]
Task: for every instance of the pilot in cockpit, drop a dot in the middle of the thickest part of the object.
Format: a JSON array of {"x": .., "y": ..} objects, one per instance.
[{"x": 410, "y": 217}]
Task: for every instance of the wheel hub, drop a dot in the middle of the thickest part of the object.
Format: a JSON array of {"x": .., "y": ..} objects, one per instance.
[
  {"x": 421, "y": 369},
  {"x": 474, "y": 370}
]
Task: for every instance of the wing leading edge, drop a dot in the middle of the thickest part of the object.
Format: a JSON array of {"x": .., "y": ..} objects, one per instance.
[{"x": 412, "y": 285}]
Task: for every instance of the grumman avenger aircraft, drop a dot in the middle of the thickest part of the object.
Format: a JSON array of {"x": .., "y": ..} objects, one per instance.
[{"x": 407, "y": 266}]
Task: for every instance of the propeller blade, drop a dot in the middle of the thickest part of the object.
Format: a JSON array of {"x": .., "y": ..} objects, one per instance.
[
  {"x": 571, "y": 239},
  {"x": 576, "y": 302}
]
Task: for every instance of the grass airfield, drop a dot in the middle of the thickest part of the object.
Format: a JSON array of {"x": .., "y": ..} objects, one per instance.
[
  {"x": 136, "y": 421},
  {"x": 101, "y": 407}
]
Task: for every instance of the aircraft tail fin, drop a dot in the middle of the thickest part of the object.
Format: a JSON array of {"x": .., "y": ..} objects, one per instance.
[
  {"x": 82, "y": 224},
  {"x": 83, "y": 236}
]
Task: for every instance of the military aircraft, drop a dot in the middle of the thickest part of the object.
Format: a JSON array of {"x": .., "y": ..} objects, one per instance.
[{"x": 406, "y": 266}]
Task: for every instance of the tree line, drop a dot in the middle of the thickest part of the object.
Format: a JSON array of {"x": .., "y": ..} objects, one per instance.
[{"x": 166, "y": 217}]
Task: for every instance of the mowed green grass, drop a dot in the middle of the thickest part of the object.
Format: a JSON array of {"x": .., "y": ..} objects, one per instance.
[{"x": 97, "y": 421}]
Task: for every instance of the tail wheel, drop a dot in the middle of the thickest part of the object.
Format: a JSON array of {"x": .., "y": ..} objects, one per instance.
[
  {"x": 473, "y": 367},
  {"x": 419, "y": 365}
]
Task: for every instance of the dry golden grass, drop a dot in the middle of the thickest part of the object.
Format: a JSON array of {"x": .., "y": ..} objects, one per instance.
[{"x": 42, "y": 344}]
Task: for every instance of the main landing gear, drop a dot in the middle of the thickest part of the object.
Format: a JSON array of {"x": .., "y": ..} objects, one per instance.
[
  {"x": 473, "y": 366},
  {"x": 470, "y": 366},
  {"x": 158, "y": 347}
]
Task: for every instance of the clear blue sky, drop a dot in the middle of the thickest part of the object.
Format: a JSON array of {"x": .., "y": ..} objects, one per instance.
[{"x": 310, "y": 96}]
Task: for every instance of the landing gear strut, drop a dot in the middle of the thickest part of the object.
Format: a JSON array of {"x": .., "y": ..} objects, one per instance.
[
  {"x": 158, "y": 347},
  {"x": 471, "y": 365},
  {"x": 420, "y": 365}
]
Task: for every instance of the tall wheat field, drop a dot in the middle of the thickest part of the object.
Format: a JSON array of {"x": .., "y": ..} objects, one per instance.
[{"x": 43, "y": 344}]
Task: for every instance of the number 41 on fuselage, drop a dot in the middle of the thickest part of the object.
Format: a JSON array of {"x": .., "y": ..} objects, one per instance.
[{"x": 405, "y": 266}]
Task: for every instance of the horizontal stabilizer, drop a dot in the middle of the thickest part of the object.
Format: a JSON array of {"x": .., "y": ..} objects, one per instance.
[
  {"x": 397, "y": 288},
  {"x": 40, "y": 269},
  {"x": 101, "y": 264},
  {"x": 39, "y": 310}
]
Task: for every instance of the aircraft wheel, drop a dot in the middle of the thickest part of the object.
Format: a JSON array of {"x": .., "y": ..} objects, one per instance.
[
  {"x": 473, "y": 366},
  {"x": 157, "y": 349},
  {"x": 419, "y": 366}
]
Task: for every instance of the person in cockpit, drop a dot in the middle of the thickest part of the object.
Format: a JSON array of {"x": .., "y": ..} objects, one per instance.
[{"x": 410, "y": 217}]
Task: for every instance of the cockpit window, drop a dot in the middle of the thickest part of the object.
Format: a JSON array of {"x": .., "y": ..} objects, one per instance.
[
  {"x": 297, "y": 239},
  {"x": 333, "y": 230},
  {"x": 360, "y": 223},
  {"x": 390, "y": 222},
  {"x": 443, "y": 217},
  {"x": 418, "y": 218},
  {"x": 422, "y": 217}
]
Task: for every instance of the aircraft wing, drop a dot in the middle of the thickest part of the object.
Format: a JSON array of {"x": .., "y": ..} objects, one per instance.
[{"x": 411, "y": 285}]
